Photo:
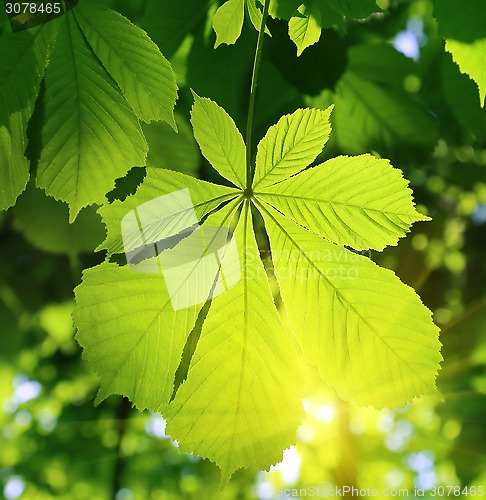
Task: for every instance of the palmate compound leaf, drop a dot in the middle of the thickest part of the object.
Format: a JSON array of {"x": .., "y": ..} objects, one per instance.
[
  {"x": 91, "y": 135},
  {"x": 238, "y": 403},
  {"x": 359, "y": 201},
  {"x": 22, "y": 62},
  {"x": 241, "y": 402},
  {"x": 143, "y": 74},
  {"x": 369, "y": 335}
]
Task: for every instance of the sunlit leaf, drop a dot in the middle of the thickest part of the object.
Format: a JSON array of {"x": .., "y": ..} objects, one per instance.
[
  {"x": 369, "y": 334},
  {"x": 358, "y": 201},
  {"x": 91, "y": 135},
  {"x": 228, "y": 21},
  {"x": 291, "y": 145},
  {"x": 241, "y": 402},
  {"x": 306, "y": 30},
  {"x": 219, "y": 139},
  {"x": 22, "y": 59},
  {"x": 158, "y": 182},
  {"x": 143, "y": 74}
]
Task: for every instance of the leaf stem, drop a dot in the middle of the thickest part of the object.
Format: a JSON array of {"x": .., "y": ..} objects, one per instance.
[{"x": 251, "y": 106}]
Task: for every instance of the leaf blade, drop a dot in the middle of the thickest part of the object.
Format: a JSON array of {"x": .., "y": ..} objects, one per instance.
[
  {"x": 143, "y": 74},
  {"x": 306, "y": 30},
  {"x": 228, "y": 22},
  {"x": 158, "y": 182},
  {"x": 149, "y": 337},
  {"x": 471, "y": 59},
  {"x": 360, "y": 201},
  {"x": 237, "y": 426},
  {"x": 290, "y": 145},
  {"x": 369, "y": 335},
  {"x": 89, "y": 125},
  {"x": 22, "y": 59},
  {"x": 220, "y": 141}
]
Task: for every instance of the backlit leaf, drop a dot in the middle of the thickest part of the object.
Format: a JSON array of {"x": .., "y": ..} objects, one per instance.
[
  {"x": 220, "y": 141},
  {"x": 91, "y": 135},
  {"x": 358, "y": 201},
  {"x": 291, "y": 145},
  {"x": 143, "y": 74},
  {"x": 471, "y": 59},
  {"x": 228, "y": 22},
  {"x": 306, "y": 30},
  {"x": 241, "y": 402},
  {"x": 22, "y": 59},
  {"x": 369, "y": 335},
  {"x": 130, "y": 333},
  {"x": 158, "y": 182}
]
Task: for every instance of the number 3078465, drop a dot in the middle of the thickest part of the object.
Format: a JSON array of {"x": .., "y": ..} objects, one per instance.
[{"x": 15, "y": 8}]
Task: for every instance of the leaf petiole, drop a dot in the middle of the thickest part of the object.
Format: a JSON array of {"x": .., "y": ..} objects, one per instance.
[{"x": 251, "y": 105}]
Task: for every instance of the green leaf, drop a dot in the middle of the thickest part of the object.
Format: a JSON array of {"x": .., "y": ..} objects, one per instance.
[
  {"x": 290, "y": 145},
  {"x": 357, "y": 201},
  {"x": 255, "y": 15},
  {"x": 228, "y": 22},
  {"x": 369, "y": 335},
  {"x": 220, "y": 141},
  {"x": 463, "y": 25},
  {"x": 328, "y": 16},
  {"x": 284, "y": 9},
  {"x": 158, "y": 182},
  {"x": 143, "y": 74},
  {"x": 461, "y": 94},
  {"x": 168, "y": 23},
  {"x": 356, "y": 9},
  {"x": 373, "y": 117},
  {"x": 22, "y": 59},
  {"x": 241, "y": 402},
  {"x": 90, "y": 136},
  {"x": 462, "y": 21},
  {"x": 471, "y": 59},
  {"x": 380, "y": 63},
  {"x": 130, "y": 333},
  {"x": 306, "y": 30},
  {"x": 14, "y": 167},
  {"x": 170, "y": 150},
  {"x": 43, "y": 222}
]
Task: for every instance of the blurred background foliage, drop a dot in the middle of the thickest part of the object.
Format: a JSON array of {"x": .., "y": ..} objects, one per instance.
[{"x": 399, "y": 95}]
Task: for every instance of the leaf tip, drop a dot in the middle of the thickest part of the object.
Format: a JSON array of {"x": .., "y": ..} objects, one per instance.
[
  {"x": 225, "y": 477},
  {"x": 101, "y": 396},
  {"x": 194, "y": 95}
]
